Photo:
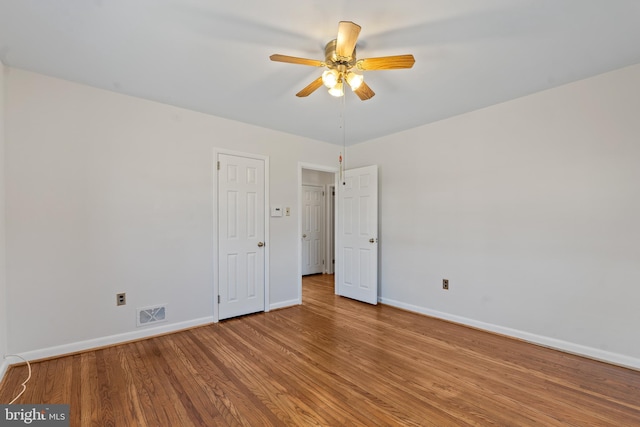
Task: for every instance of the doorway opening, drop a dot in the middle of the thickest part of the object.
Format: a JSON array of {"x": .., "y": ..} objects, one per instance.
[{"x": 316, "y": 221}]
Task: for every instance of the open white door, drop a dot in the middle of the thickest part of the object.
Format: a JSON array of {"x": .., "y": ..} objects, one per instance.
[
  {"x": 241, "y": 235},
  {"x": 357, "y": 235}
]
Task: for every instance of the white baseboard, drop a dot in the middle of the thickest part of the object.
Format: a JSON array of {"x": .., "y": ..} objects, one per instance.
[
  {"x": 556, "y": 344},
  {"x": 113, "y": 339},
  {"x": 284, "y": 304}
]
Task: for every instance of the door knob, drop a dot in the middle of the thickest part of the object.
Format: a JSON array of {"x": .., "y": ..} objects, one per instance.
[
  {"x": 304, "y": 235},
  {"x": 372, "y": 240},
  {"x": 260, "y": 244}
]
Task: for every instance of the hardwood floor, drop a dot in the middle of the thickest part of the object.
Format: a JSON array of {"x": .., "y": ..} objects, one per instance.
[{"x": 332, "y": 362}]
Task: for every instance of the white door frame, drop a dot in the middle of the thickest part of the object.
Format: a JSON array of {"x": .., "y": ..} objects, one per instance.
[
  {"x": 330, "y": 232},
  {"x": 214, "y": 169},
  {"x": 320, "y": 168}
]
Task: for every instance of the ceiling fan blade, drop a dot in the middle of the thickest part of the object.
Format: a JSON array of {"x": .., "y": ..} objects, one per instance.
[
  {"x": 347, "y": 37},
  {"x": 386, "y": 63},
  {"x": 364, "y": 92},
  {"x": 296, "y": 60},
  {"x": 310, "y": 88}
]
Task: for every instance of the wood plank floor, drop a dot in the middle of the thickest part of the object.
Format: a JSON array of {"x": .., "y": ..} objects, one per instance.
[{"x": 332, "y": 362}]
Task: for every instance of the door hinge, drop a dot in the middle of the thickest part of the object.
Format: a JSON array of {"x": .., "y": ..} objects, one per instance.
[
  {"x": 218, "y": 299},
  {"x": 322, "y": 262},
  {"x": 218, "y": 164},
  {"x": 323, "y": 194}
]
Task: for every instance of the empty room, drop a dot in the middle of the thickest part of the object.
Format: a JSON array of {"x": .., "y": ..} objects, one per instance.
[{"x": 319, "y": 213}]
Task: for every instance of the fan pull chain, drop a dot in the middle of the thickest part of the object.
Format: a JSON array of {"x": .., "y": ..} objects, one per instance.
[{"x": 343, "y": 160}]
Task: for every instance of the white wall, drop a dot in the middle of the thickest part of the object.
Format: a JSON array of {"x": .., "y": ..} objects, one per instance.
[
  {"x": 3, "y": 275},
  {"x": 318, "y": 178},
  {"x": 108, "y": 193},
  {"x": 530, "y": 208}
]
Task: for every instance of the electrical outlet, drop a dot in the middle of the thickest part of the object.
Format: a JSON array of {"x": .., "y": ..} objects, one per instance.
[
  {"x": 121, "y": 299},
  {"x": 445, "y": 284}
]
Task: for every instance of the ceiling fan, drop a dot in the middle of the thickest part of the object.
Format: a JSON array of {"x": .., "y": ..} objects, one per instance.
[{"x": 342, "y": 65}]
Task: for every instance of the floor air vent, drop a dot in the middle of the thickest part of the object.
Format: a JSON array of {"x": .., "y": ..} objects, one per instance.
[{"x": 148, "y": 315}]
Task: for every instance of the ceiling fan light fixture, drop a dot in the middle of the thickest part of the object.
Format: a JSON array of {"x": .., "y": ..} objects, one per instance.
[
  {"x": 330, "y": 78},
  {"x": 354, "y": 80},
  {"x": 343, "y": 66},
  {"x": 337, "y": 90}
]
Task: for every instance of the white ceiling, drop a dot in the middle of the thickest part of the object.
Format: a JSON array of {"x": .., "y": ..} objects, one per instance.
[{"x": 213, "y": 56}]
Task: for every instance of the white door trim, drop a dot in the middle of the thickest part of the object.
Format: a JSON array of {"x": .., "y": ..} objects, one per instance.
[
  {"x": 320, "y": 168},
  {"x": 330, "y": 232},
  {"x": 216, "y": 153}
]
